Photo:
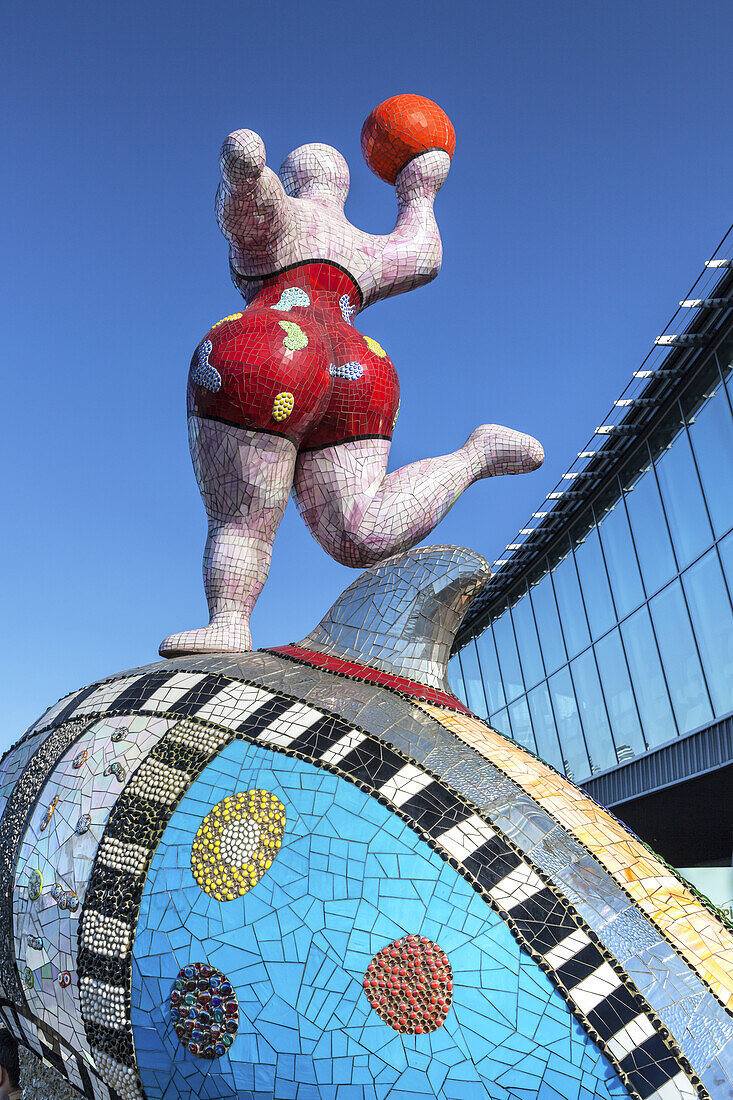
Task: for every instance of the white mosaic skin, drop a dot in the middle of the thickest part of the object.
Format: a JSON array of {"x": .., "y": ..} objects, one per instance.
[
  {"x": 361, "y": 515},
  {"x": 273, "y": 222},
  {"x": 245, "y": 480},
  {"x": 357, "y": 512}
]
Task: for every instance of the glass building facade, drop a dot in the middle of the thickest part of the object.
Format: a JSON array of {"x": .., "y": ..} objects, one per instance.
[{"x": 618, "y": 638}]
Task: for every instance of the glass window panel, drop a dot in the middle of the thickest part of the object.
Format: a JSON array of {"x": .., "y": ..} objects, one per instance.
[
  {"x": 506, "y": 648},
  {"x": 618, "y": 550},
  {"x": 529, "y": 647},
  {"x": 711, "y": 432},
  {"x": 594, "y": 584},
  {"x": 521, "y": 724},
  {"x": 455, "y": 678},
  {"x": 472, "y": 681},
  {"x": 679, "y": 658},
  {"x": 548, "y": 624},
  {"x": 726, "y": 553},
  {"x": 500, "y": 723},
  {"x": 648, "y": 679},
  {"x": 725, "y": 362},
  {"x": 572, "y": 745},
  {"x": 619, "y": 697},
  {"x": 712, "y": 622},
  {"x": 682, "y": 496},
  {"x": 650, "y": 529},
  {"x": 593, "y": 713},
  {"x": 543, "y": 723},
  {"x": 490, "y": 670},
  {"x": 572, "y": 613}
]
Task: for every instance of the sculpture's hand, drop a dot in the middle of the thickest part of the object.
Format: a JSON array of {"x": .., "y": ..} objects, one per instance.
[
  {"x": 422, "y": 177},
  {"x": 412, "y": 251},
  {"x": 251, "y": 205},
  {"x": 242, "y": 159}
]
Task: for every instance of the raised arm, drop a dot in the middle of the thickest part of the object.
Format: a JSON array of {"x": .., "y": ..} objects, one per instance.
[
  {"x": 413, "y": 251},
  {"x": 251, "y": 205}
]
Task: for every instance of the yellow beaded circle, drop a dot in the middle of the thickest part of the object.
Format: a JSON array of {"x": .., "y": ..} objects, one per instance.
[
  {"x": 237, "y": 842},
  {"x": 283, "y": 405}
]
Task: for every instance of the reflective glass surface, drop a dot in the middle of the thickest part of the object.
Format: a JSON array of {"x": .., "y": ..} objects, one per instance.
[
  {"x": 624, "y": 665},
  {"x": 593, "y": 714},
  {"x": 572, "y": 743},
  {"x": 711, "y": 433},
  {"x": 725, "y": 546},
  {"x": 682, "y": 495},
  {"x": 521, "y": 724},
  {"x": 619, "y": 697},
  {"x": 500, "y": 722},
  {"x": 679, "y": 658},
  {"x": 473, "y": 681},
  {"x": 543, "y": 721},
  {"x": 490, "y": 671},
  {"x": 506, "y": 647},
  {"x": 712, "y": 622},
  {"x": 455, "y": 677},
  {"x": 570, "y": 603},
  {"x": 594, "y": 583},
  {"x": 650, "y": 686},
  {"x": 618, "y": 550},
  {"x": 649, "y": 529},
  {"x": 527, "y": 641},
  {"x": 548, "y": 623}
]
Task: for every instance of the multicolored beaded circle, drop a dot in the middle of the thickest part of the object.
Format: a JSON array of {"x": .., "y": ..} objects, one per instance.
[
  {"x": 409, "y": 984},
  {"x": 204, "y": 1010}
]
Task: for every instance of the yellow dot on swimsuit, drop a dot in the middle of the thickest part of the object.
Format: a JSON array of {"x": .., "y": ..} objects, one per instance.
[
  {"x": 282, "y": 406},
  {"x": 374, "y": 346},
  {"x": 231, "y": 317}
]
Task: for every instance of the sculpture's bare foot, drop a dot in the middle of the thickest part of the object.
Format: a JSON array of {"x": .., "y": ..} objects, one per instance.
[
  {"x": 227, "y": 632},
  {"x": 496, "y": 450}
]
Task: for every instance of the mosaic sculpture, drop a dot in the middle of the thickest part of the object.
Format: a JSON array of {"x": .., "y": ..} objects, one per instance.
[
  {"x": 310, "y": 873},
  {"x": 287, "y": 396}
]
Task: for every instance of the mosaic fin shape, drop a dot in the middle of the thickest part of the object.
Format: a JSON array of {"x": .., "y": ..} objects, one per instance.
[{"x": 402, "y": 616}]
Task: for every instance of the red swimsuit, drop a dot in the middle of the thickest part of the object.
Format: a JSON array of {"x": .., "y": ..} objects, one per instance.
[{"x": 293, "y": 365}]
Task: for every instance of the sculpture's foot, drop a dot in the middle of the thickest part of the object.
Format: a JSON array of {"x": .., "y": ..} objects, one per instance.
[
  {"x": 226, "y": 633},
  {"x": 496, "y": 450}
]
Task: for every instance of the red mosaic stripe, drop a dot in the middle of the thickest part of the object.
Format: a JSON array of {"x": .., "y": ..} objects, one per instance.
[{"x": 354, "y": 671}]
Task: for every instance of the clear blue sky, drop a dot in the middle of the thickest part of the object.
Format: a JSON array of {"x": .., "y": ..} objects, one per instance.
[{"x": 592, "y": 179}]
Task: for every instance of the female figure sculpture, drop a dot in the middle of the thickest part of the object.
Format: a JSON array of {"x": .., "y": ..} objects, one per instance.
[{"x": 289, "y": 396}]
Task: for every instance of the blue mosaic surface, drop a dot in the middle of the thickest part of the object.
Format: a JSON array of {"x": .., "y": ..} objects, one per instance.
[{"x": 350, "y": 878}]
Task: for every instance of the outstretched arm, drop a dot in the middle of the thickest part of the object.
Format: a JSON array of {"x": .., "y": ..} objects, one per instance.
[
  {"x": 251, "y": 205},
  {"x": 413, "y": 250}
]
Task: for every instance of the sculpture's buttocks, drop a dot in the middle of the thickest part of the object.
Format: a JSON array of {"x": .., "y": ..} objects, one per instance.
[{"x": 292, "y": 363}]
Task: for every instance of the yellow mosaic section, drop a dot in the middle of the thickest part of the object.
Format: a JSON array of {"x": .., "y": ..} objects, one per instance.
[
  {"x": 704, "y": 941},
  {"x": 375, "y": 346},
  {"x": 236, "y": 843},
  {"x": 231, "y": 317},
  {"x": 283, "y": 405}
]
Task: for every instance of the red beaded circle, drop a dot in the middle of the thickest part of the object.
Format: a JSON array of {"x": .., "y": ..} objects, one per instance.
[
  {"x": 410, "y": 985},
  {"x": 401, "y": 128}
]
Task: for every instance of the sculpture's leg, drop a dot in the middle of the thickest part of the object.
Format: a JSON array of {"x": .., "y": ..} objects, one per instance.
[
  {"x": 245, "y": 479},
  {"x": 360, "y": 514}
]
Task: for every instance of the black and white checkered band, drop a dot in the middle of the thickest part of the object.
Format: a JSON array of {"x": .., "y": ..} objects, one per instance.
[{"x": 212, "y": 710}]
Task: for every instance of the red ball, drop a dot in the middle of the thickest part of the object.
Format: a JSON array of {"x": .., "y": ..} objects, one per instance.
[{"x": 401, "y": 128}]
